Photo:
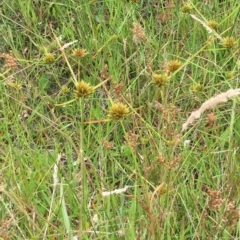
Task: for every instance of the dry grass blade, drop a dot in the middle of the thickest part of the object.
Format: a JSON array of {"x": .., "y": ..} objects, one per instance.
[
  {"x": 116, "y": 191},
  {"x": 210, "y": 103}
]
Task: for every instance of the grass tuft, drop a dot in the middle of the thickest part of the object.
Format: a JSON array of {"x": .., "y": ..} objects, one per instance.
[{"x": 141, "y": 148}]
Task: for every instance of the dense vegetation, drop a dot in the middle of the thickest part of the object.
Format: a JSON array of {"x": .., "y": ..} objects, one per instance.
[{"x": 93, "y": 98}]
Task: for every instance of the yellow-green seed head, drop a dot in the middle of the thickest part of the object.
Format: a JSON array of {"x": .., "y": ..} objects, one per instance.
[
  {"x": 49, "y": 58},
  {"x": 79, "y": 52},
  {"x": 174, "y": 65},
  {"x": 15, "y": 85},
  {"x": 65, "y": 89},
  {"x": 118, "y": 111},
  {"x": 212, "y": 24},
  {"x": 228, "y": 42},
  {"x": 83, "y": 89},
  {"x": 186, "y": 8},
  {"x": 197, "y": 87},
  {"x": 159, "y": 79},
  {"x": 230, "y": 75}
]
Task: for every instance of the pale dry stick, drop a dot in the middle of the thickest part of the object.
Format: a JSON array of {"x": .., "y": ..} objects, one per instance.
[
  {"x": 231, "y": 132},
  {"x": 55, "y": 182},
  {"x": 66, "y": 45},
  {"x": 210, "y": 103},
  {"x": 116, "y": 191}
]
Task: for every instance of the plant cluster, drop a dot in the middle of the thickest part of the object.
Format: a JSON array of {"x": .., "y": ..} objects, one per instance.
[{"x": 119, "y": 120}]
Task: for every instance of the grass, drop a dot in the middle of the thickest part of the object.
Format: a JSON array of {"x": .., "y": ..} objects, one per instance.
[{"x": 61, "y": 153}]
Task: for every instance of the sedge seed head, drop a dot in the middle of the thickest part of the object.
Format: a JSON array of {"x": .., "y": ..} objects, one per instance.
[
  {"x": 118, "y": 111},
  {"x": 83, "y": 89},
  {"x": 228, "y": 42},
  {"x": 49, "y": 58},
  {"x": 64, "y": 89},
  {"x": 197, "y": 87},
  {"x": 15, "y": 85},
  {"x": 159, "y": 80},
  {"x": 174, "y": 65},
  {"x": 212, "y": 24},
  {"x": 79, "y": 52},
  {"x": 230, "y": 74},
  {"x": 186, "y": 8}
]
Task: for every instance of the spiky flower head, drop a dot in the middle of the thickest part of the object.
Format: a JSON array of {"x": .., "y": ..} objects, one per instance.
[
  {"x": 197, "y": 87},
  {"x": 49, "y": 58},
  {"x": 14, "y": 84},
  {"x": 118, "y": 111},
  {"x": 212, "y": 24},
  {"x": 83, "y": 89},
  {"x": 228, "y": 42},
  {"x": 159, "y": 79},
  {"x": 229, "y": 74},
  {"x": 186, "y": 8},
  {"x": 79, "y": 52},
  {"x": 174, "y": 65},
  {"x": 64, "y": 89}
]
